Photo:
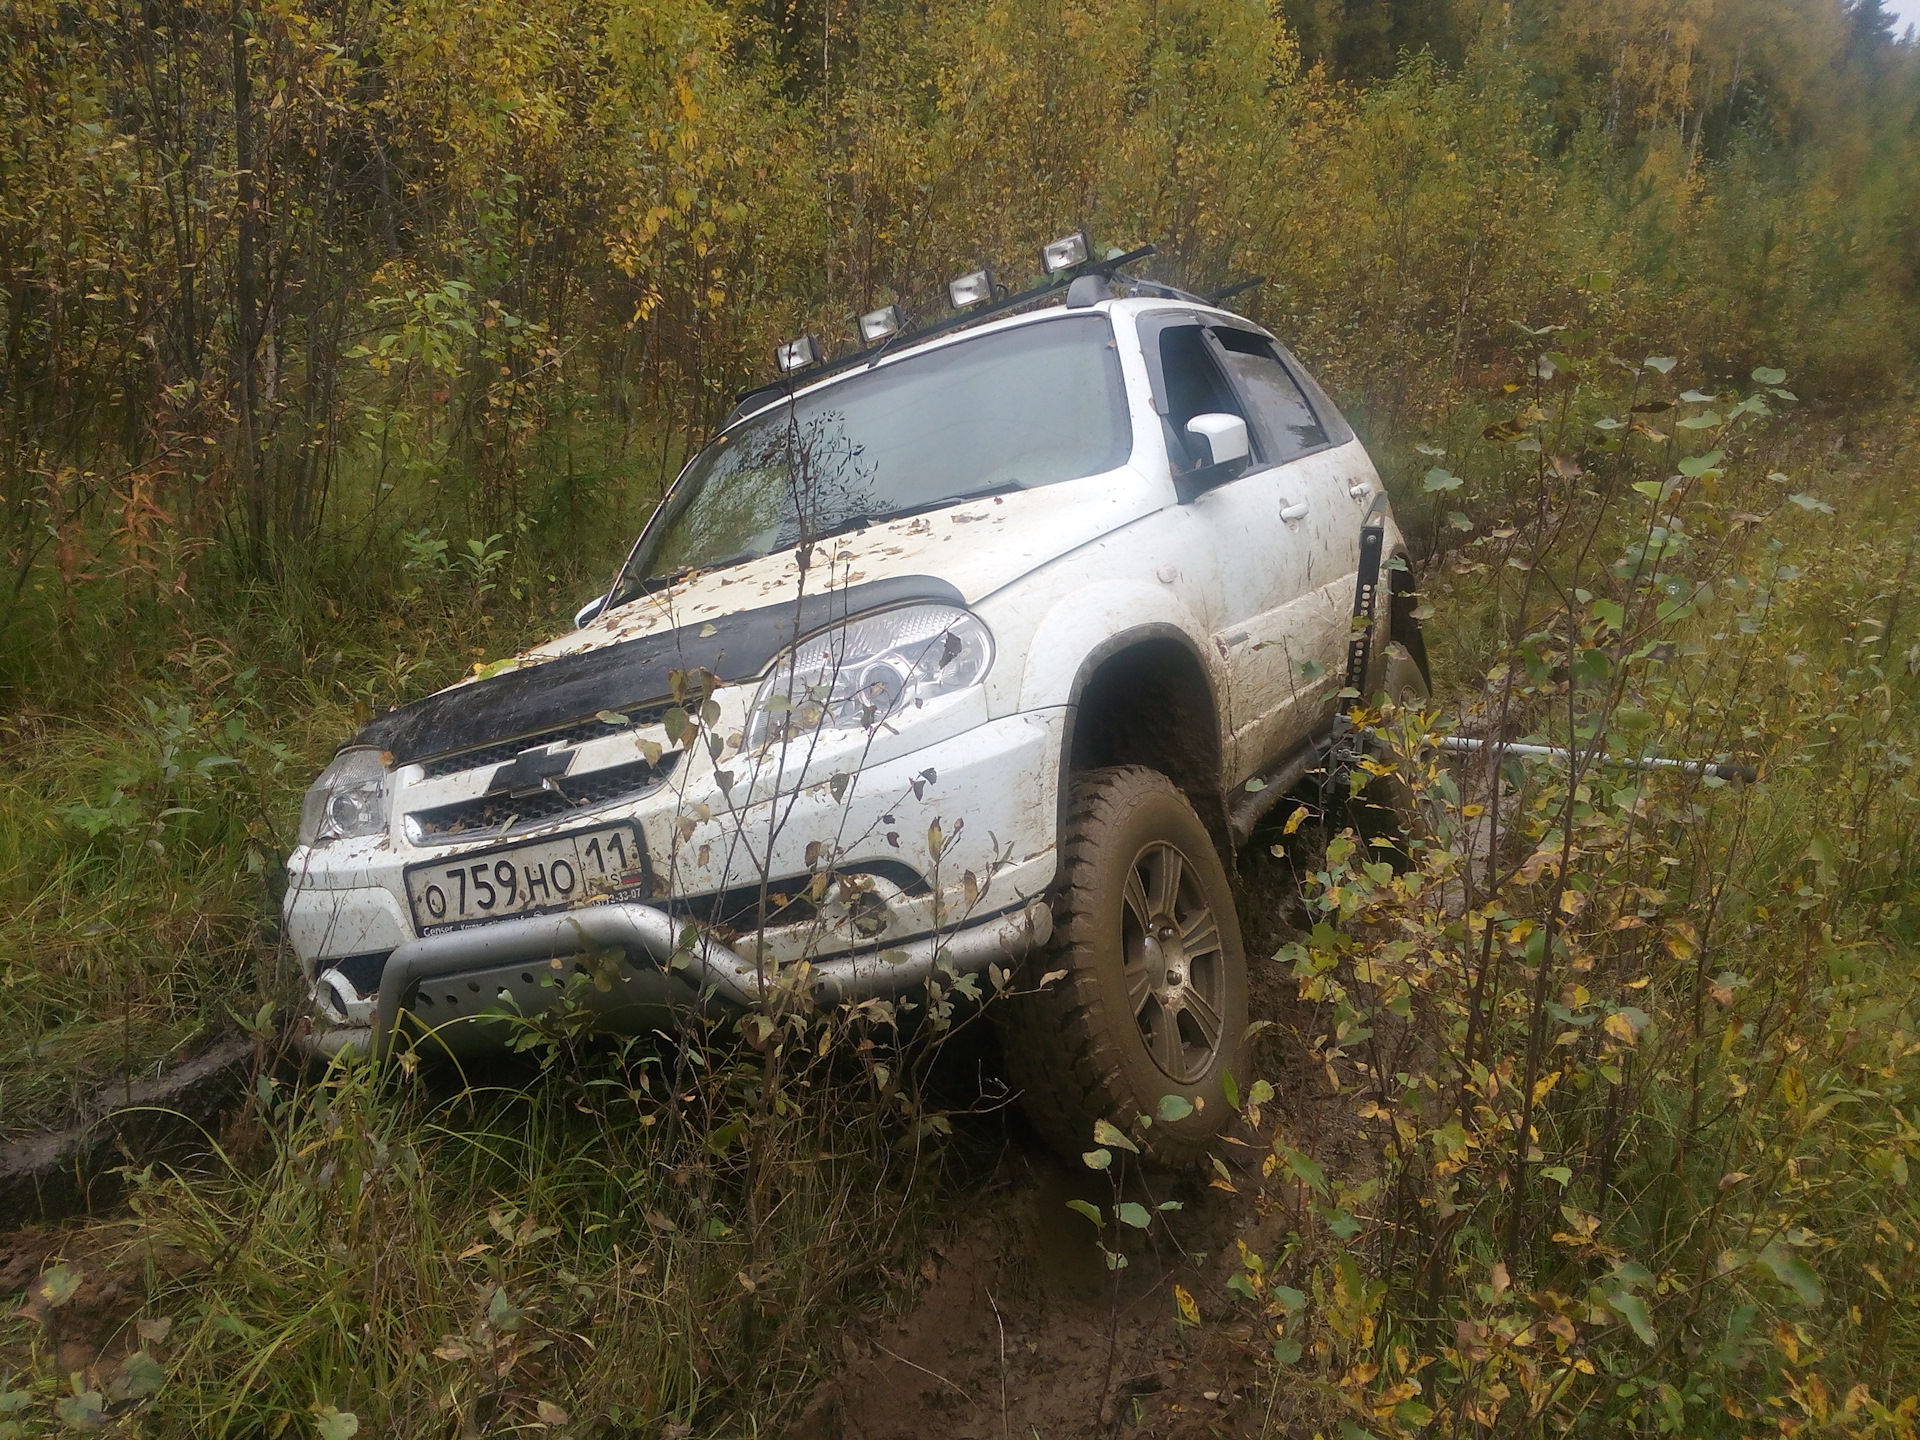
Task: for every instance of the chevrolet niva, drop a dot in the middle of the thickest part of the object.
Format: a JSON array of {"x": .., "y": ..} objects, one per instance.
[{"x": 983, "y": 647}]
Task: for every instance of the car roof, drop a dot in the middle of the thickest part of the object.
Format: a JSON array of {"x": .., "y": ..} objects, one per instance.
[{"x": 753, "y": 402}]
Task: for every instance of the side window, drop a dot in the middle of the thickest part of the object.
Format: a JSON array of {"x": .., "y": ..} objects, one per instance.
[
  {"x": 1280, "y": 409},
  {"x": 1194, "y": 386}
]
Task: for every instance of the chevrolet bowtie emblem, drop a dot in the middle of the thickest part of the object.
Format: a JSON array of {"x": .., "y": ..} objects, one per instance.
[{"x": 530, "y": 772}]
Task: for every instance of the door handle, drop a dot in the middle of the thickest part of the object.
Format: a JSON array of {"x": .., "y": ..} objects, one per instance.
[{"x": 1291, "y": 513}]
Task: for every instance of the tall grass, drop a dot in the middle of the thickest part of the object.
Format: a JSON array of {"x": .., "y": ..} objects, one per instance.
[
  {"x": 655, "y": 1235},
  {"x": 148, "y": 789},
  {"x": 1637, "y": 1052}
]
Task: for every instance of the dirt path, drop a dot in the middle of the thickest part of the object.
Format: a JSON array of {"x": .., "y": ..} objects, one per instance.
[{"x": 1018, "y": 1329}]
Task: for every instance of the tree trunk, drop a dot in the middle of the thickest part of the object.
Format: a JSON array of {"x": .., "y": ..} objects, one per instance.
[{"x": 249, "y": 472}]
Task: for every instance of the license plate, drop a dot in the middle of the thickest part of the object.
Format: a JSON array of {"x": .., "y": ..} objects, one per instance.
[{"x": 526, "y": 879}]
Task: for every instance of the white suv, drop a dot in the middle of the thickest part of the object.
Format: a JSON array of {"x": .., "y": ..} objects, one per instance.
[{"x": 982, "y": 646}]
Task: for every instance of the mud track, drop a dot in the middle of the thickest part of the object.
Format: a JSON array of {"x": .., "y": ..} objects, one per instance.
[{"x": 1017, "y": 1329}]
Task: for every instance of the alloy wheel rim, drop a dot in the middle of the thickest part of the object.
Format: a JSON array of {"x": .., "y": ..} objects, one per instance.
[{"x": 1175, "y": 964}]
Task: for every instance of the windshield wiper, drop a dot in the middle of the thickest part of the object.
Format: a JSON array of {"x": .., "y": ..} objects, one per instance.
[
  {"x": 865, "y": 518},
  {"x": 681, "y": 572},
  {"x": 841, "y": 526}
]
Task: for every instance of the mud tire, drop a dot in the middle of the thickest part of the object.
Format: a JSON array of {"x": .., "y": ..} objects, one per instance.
[
  {"x": 1075, "y": 1051},
  {"x": 1402, "y": 680}
]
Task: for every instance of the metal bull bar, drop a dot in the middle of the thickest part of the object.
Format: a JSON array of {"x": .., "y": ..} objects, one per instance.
[{"x": 650, "y": 937}]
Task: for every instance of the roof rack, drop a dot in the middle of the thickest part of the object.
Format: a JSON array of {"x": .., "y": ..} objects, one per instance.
[{"x": 872, "y": 354}]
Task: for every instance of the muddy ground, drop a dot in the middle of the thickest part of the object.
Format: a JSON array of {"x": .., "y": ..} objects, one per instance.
[{"x": 1017, "y": 1329}]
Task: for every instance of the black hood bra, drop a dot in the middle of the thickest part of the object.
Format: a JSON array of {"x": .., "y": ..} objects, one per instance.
[{"x": 628, "y": 674}]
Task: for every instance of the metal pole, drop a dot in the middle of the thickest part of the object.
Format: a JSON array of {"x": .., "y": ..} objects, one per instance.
[{"x": 1461, "y": 745}]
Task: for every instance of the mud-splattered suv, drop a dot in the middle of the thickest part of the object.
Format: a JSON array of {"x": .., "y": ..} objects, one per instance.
[{"x": 981, "y": 648}]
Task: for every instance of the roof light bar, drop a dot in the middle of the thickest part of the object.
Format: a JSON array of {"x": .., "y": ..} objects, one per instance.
[
  {"x": 971, "y": 289},
  {"x": 797, "y": 354},
  {"x": 877, "y": 325},
  {"x": 974, "y": 312},
  {"x": 1066, "y": 252}
]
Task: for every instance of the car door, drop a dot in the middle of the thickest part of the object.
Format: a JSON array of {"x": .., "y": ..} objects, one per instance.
[
  {"x": 1280, "y": 537},
  {"x": 1299, "y": 670}
]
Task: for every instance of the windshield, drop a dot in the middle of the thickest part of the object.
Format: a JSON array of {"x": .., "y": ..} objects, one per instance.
[{"x": 1008, "y": 411}]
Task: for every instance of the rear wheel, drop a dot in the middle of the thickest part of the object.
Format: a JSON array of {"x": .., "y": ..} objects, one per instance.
[
  {"x": 1154, "y": 1001},
  {"x": 1402, "y": 681}
]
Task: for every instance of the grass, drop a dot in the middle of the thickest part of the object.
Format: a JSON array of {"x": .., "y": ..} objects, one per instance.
[
  {"x": 660, "y": 1234},
  {"x": 433, "y": 1257},
  {"x": 1639, "y": 1071},
  {"x": 148, "y": 798},
  {"x": 451, "y": 1263}
]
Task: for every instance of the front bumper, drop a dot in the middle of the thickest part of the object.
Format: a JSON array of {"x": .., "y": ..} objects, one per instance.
[
  {"x": 983, "y": 794},
  {"x": 636, "y": 965}
]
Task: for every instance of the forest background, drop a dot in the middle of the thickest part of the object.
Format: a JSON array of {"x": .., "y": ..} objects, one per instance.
[{"x": 344, "y": 345}]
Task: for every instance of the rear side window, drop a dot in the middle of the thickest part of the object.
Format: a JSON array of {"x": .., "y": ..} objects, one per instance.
[{"x": 1280, "y": 409}]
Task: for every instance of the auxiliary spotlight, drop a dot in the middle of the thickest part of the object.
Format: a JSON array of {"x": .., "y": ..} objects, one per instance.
[
  {"x": 1066, "y": 252},
  {"x": 877, "y": 325},
  {"x": 797, "y": 354},
  {"x": 970, "y": 290}
]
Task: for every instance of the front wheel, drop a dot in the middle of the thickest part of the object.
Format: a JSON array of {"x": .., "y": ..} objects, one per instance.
[{"x": 1154, "y": 1002}]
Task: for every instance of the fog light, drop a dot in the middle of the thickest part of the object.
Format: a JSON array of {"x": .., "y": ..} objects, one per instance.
[
  {"x": 1066, "y": 252},
  {"x": 970, "y": 289},
  {"x": 877, "y": 325},
  {"x": 797, "y": 354}
]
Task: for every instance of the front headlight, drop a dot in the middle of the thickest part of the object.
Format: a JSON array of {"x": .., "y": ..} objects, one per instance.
[
  {"x": 349, "y": 799},
  {"x": 870, "y": 670}
]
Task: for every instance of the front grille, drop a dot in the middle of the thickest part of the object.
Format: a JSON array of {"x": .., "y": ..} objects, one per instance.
[
  {"x": 500, "y": 814},
  {"x": 505, "y": 750}
]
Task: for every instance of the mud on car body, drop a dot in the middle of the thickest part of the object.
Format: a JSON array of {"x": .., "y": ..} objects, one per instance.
[{"x": 961, "y": 655}]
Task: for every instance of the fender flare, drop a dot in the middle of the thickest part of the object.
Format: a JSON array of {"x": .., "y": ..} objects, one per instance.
[{"x": 1144, "y": 633}]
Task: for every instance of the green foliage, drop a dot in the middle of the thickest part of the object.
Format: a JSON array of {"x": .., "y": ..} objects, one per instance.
[
  {"x": 493, "y": 255},
  {"x": 1634, "y": 1047},
  {"x": 363, "y": 1248}
]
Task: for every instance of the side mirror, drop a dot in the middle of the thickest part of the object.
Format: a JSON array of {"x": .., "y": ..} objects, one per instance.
[
  {"x": 585, "y": 614},
  {"x": 1219, "y": 440}
]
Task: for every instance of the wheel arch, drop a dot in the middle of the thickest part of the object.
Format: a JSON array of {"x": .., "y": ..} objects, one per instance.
[{"x": 1146, "y": 697}]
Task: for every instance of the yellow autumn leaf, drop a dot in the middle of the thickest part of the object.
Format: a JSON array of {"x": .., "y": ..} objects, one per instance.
[
  {"x": 1793, "y": 1087},
  {"x": 1621, "y": 1028},
  {"x": 1189, "y": 1307}
]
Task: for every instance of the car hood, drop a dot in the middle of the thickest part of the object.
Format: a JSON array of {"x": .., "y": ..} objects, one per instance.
[
  {"x": 732, "y": 622},
  {"x": 977, "y": 548}
]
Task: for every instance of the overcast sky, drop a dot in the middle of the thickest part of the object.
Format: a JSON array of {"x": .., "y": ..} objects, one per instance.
[{"x": 1907, "y": 10}]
